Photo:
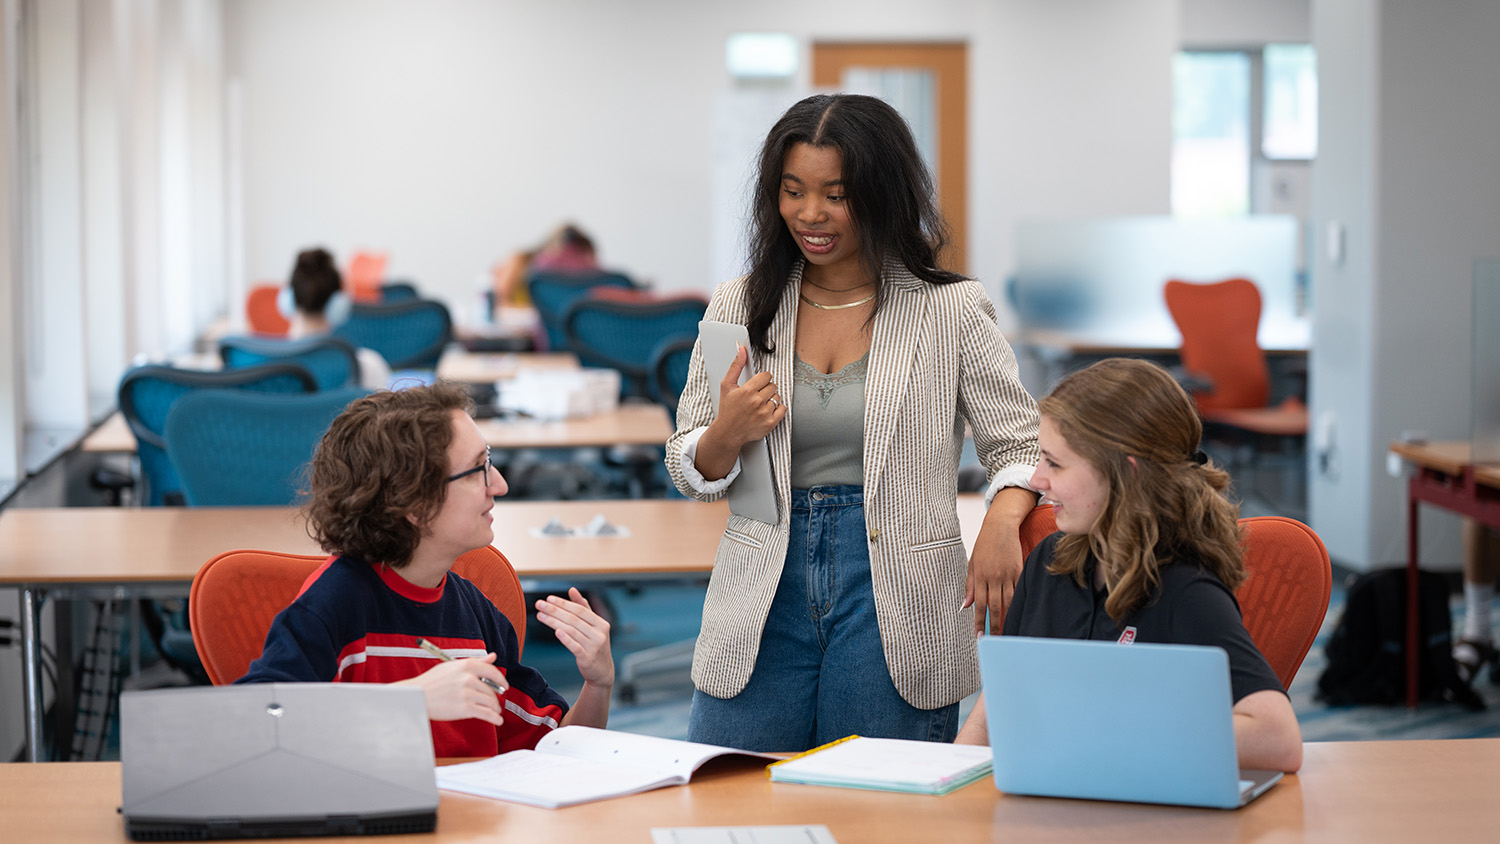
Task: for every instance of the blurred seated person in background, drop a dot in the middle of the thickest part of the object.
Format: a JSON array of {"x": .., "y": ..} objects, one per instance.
[
  {"x": 1148, "y": 544},
  {"x": 1476, "y": 645},
  {"x": 567, "y": 249},
  {"x": 401, "y": 486},
  {"x": 319, "y": 303}
]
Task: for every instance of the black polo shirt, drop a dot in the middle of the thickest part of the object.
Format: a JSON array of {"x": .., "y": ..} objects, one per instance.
[{"x": 1192, "y": 607}]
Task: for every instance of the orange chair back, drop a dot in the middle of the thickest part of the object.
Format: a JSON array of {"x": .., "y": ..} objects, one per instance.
[
  {"x": 1218, "y": 323},
  {"x": 261, "y": 312},
  {"x": 236, "y": 595},
  {"x": 1285, "y": 596},
  {"x": 1039, "y": 524},
  {"x": 365, "y": 276}
]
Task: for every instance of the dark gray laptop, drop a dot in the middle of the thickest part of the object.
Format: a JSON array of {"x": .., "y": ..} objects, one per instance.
[
  {"x": 276, "y": 759},
  {"x": 1105, "y": 721}
]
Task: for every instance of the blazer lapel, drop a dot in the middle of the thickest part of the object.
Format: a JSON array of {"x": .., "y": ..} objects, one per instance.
[
  {"x": 781, "y": 364},
  {"x": 893, "y": 351}
]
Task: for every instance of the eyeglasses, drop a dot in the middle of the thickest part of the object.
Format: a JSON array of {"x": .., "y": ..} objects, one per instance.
[{"x": 483, "y": 467}]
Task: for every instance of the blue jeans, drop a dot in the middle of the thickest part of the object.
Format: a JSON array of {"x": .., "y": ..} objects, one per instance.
[{"x": 820, "y": 674}]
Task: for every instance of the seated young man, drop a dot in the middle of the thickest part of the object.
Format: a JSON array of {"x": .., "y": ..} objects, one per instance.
[{"x": 401, "y": 486}]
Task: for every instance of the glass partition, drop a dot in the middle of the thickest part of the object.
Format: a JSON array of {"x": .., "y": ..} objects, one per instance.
[
  {"x": 1485, "y": 367},
  {"x": 1102, "y": 279}
]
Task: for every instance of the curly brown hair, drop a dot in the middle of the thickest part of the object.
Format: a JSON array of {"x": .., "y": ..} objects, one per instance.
[
  {"x": 1163, "y": 506},
  {"x": 380, "y": 473}
]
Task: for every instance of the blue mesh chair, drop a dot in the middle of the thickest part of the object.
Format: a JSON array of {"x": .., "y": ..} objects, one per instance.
[
  {"x": 331, "y": 360},
  {"x": 210, "y": 433},
  {"x": 668, "y": 372},
  {"x": 147, "y": 394},
  {"x": 398, "y": 291},
  {"x": 409, "y": 335},
  {"x": 624, "y": 335},
  {"x": 552, "y": 293}
]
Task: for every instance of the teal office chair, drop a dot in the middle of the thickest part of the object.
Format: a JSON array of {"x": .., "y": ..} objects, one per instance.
[
  {"x": 331, "y": 360},
  {"x": 398, "y": 291},
  {"x": 409, "y": 335},
  {"x": 553, "y": 292},
  {"x": 668, "y": 372},
  {"x": 238, "y": 449},
  {"x": 625, "y": 335},
  {"x": 146, "y": 396}
]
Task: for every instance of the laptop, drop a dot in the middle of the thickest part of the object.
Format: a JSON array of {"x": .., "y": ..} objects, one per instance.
[
  {"x": 753, "y": 493},
  {"x": 1105, "y": 721},
  {"x": 276, "y": 759}
]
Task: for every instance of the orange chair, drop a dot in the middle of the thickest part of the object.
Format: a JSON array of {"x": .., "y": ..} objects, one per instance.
[
  {"x": 236, "y": 595},
  {"x": 365, "y": 276},
  {"x": 1039, "y": 524},
  {"x": 261, "y": 312},
  {"x": 1218, "y": 323},
  {"x": 1285, "y": 596}
]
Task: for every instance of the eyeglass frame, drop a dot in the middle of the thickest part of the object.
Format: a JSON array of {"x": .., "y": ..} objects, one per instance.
[{"x": 483, "y": 467}]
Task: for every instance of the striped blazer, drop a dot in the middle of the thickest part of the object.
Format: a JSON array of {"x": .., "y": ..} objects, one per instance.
[{"x": 937, "y": 359}]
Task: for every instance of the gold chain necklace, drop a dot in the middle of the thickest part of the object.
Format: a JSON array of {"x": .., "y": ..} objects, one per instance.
[
  {"x": 868, "y": 298},
  {"x": 835, "y": 289}
]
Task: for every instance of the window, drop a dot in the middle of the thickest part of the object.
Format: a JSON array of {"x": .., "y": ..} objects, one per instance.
[
  {"x": 1210, "y": 134},
  {"x": 1290, "y": 129},
  {"x": 1234, "y": 115}
]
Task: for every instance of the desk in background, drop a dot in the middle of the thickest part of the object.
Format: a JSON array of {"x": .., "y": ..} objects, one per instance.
[
  {"x": 629, "y": 424},
  {"x": 155, "y": 551},
  {"x": 466, "y": 367},
  {"x": 1367, "y": 792},
  {"x": 1445, "y": 478}
]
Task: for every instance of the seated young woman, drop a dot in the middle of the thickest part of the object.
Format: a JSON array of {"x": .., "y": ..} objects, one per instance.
[
  {"x": 1148, "y": 546},
  {"x": 400, "y": 487}
]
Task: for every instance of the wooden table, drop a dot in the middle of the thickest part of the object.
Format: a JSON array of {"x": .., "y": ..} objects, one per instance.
[
  {"x": 66, "y": 552},
  {"x": 79, "y": 552},
  {"x": 1445, "y": 478},
  {"x": 629, "y": 424},
  {"x": 459, "y": 364},
  {"x": 1397, "y": 791}
]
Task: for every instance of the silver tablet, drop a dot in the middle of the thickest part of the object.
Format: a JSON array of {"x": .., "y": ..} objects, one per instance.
[{"x": 753, "y": 493}]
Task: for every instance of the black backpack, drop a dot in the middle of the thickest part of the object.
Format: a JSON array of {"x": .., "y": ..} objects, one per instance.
[{"x": 1367, "y": 651}]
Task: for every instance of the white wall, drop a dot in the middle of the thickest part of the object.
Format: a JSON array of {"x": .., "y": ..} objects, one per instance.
[
  {"x": 1410, "y": 166},
  {"x": 1245, "y": 23},
  {"x": 452, "y": 133}
]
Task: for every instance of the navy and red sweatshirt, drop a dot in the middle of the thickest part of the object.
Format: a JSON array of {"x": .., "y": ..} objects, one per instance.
[{"x": 357, "y": 623}]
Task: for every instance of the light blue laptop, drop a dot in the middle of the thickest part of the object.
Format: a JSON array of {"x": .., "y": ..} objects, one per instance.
[{"x": 1105, "y": 721}]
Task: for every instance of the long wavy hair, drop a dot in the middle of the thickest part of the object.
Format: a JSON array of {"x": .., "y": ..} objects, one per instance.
[
  {"x": 380, "y": 474},
  {"x": 1137, "y": 427},
  {"x": 889, "y": 194}
]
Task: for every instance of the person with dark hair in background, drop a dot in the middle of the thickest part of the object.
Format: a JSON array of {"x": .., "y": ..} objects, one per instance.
[
  {"x": 400, "y": 487},
  {"x": 1148, "y": 547},
  {"x": 318, "y": 303},
  {"x": 872, "y": 361}
]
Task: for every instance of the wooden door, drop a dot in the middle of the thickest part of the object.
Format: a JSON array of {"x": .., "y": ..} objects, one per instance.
[{"x": 948, "y": 65}]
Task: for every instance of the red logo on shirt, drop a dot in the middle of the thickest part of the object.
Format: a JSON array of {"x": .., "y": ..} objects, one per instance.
[{"x": 1128, "y": 636}]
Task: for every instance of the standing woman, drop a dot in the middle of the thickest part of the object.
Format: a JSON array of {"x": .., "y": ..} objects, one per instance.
[{"x": 844, "y": 615}]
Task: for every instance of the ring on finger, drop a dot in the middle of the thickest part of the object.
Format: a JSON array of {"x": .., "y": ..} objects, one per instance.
[{"x": 774, "y": 401}]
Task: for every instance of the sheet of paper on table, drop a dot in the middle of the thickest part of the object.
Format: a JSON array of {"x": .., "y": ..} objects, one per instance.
[{"x": 743, "y": 835}]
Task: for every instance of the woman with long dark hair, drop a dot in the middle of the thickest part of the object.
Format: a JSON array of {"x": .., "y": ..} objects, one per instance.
[{"x": 871, "y": 362}]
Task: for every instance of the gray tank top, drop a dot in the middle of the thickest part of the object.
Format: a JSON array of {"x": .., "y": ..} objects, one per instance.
[{"x": 828, "y": 425}]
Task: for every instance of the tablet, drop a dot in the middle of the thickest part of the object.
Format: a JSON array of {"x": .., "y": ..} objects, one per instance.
[{"x": 753, "y": 493}]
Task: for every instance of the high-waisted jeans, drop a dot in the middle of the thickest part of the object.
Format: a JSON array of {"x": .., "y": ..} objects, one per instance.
[{"x": 820, "y": 674}]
